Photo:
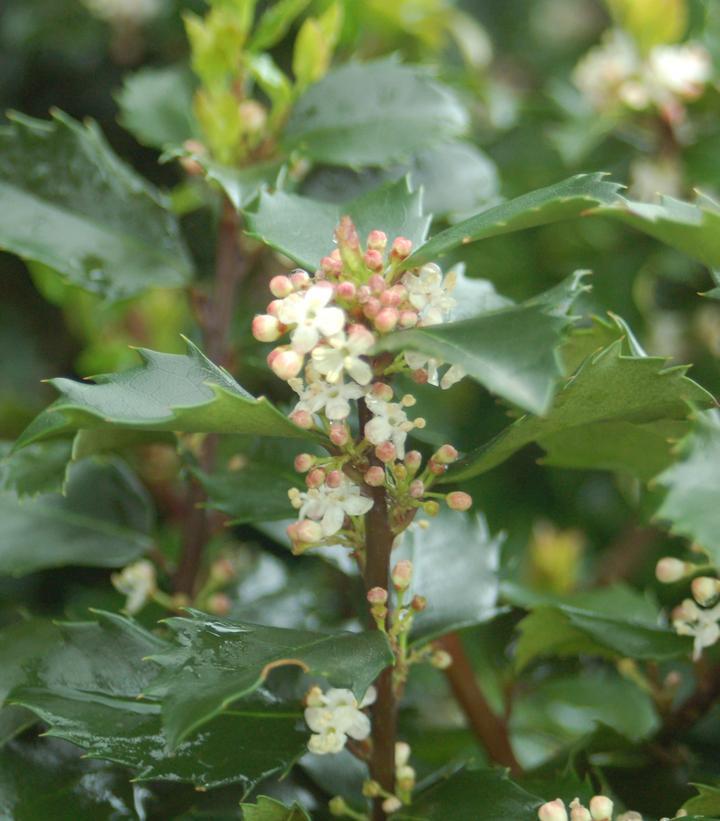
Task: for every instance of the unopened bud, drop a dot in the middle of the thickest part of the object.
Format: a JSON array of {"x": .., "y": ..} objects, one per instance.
[
  {"x": 413, "y": 460},
  {"x": 334, "y": 479},
  {"x": 553, "y": 811},
  {"x": 372, "y": 307},
  {"x": 578, "y": 812},
  {"x": 405, "y": 776},
  {"x": 669, "y": 570},
  {"x": 287, "y": 364},
  {"x": 303, "y": 462},
  {"x": 392, "y": 804},
  {"x": 431, "y": 507},
  {"x": 377, "y": 284},
  {"x": 363, "y": 294},
  {"x": 441, "y": 659},
  {"x": 435, "y": 468},
  {"x": 222, "y": 571},
  {"x": 457, "y": 500},
  {"x": 386, "y": 320},
  {"x": 418, "y": 603},
  {"x": 601, "y": 808},
  {"x": 374, "y": 260},
  {"x": 281, "y": 286},
  {"x": 402, "y": 753},
  {"x": 337, "y": 806},
  {"x": 371, "y": 789},
  {"x": 219, "y": 604},
  {"x": 420, "y": 376},
  {"x": 386, "y": 452},
  {"x": 308, "y": 531},
  {"x": 300, "y": 279},
  {"x": 375, "y": 476},
  {"x": 315, "y": 478},
  {"x": 417, "y": 489},
  {"x": 381, "y": 390},
  {"x": 339, "y": 434},
  {"x": 400, "y": 472},
  {"x": 402, "y": 574},
  {"x": 705, "y": 590},
  {"x": 377, "y": 595},
  {"x": 331, "y": 266},
  {"x": 401, "y": 248},
  {"x": 302, "y": 418},
  {"x": 446, "y": 455},
  {"x": 273, "y": 307},
  {"x": 266, "y": 328},
  {"x": 253, "y": 115},
  {"x": 377, "y": 240},
  {"x": 346, "y": 290},
  {"x": 408, "y": 319}
]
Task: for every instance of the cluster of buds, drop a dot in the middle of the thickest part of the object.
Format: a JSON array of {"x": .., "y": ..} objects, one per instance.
[
  {"x": 699, "y": 616},
  {"x": 332, "y": 321},
  {"x": 404, "y": 782},
  {"x": 335, "y": 716},
  {"x": 600, "y": 809},
  {"x": 615, "y": 74}
]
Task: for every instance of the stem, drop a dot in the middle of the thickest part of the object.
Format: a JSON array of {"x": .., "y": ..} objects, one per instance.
[
  {"x": 378, "y": 546},
  {"x": 490, "y": 729},
  {"x": 215, "y": 322}
]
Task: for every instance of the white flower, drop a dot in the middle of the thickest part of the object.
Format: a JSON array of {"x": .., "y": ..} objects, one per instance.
[
  {"x": 682, "y": 70},
  {"x": 389, "y": 424},
  {"x": 137, "y": 581},
  {"x": 333, "y": 398},
  {"x": 603, "y": 71},
  {"x": 334, "y": 716},
  {"x": 312, "y": 319},
  {"x": 701, "y": 624},
  {"x": 343, "y": 354},
  {"x": 329, "y": 506},
  {"x": 429, "y": 294}
]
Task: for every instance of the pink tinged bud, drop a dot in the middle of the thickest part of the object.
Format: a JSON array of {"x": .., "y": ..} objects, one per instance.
[
  {"x": 302, "y": 418},
  {"x": 219, "y": 604},
  {"x": 446, "y": 455},
  {"x": 408, "y": 319},
  {"x": 374, "y": 260},
  {"x": 435, "y": 468},
  {"x": 377, "y": 240},
  {"x": 287, "y": 364},
  {"x": 457, "y": 500},
  {"x": 346, "y": 290},
  {"x": 417, "y": 489},
  {"x": 375, "y": 476},
  {"x": 390, "y": 298},
  {"x": 331, "y": 266},
  {"x": 308, "y": 531},
  {"x": 273, "y": 307},
  {"x": 401, "y": 248},
  {"x": 419, "y": 376},
  {"x": 303, "y": 462},
  {"x": 377, "y": 595},
  {"x": 402, "y": 574},
  {"x": 364, "y": 293},
  {"x": 553, "y": 811},
  {"x": 265, "y": 328},
  {"x": 418, "y": 603},
  {"x": 334, "y": 479},
  {"x": 281, "y": 286},
  {"x": 300, "y": 279},
  {"x": 372, "y": 308},
  {"x": 413, "y": 460},
  {"x": 339, "y": 434},
  {"x": 361, "y": 335},
  {"x": 315, "y": 478},
  {"x": 578, "y": 812},
  {"x": 669, "y": 570},
  {"x": 346, "y": 234},
  {"x": 381, "y": 390},
  {"x": 387, "y": 320},
  {"x": 386, "y": 452},
  {"x": 377, "y": 284},
  {"x": 601, "y": 808},
  {"x": 705, "y": 590}
]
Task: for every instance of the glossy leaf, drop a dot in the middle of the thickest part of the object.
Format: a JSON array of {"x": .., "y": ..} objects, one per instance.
[
  {"x": 268, "y": 809},
  {"x": 103, "y": 520},
  {"x": 618, "y": 412},
  {"x": 71, "y": 204},
  {"x": 168, "y": 392},
  {"x": 302, "y": 228},
  {"x": 241, "y": 185},
  {"x": 706, "y": 802},
  {"x": 692, "y": 503},
  {"x": 372, "y": 114},
  {"x": 217, "y": 661},
  {"x": 561, "y": 201}
]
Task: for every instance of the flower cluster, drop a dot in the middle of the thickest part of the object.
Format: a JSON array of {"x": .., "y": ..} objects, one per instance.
[
  {"x": 329, "y": 324},
  {"x": 335, "y": 716},
  {"x": 698, "y": 617},
  {"x": 615, "y": 74},
  {"x": 600, "y": 809}
]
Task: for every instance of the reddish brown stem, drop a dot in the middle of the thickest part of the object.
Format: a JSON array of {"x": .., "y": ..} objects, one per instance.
[{"x": 490, "y": 729}]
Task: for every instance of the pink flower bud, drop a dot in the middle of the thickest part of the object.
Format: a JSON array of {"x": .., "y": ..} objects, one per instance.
[
  {"x": 377, "y": 240},
  {"x": 339, "y": 434},
  {"x": 375, "y": 476},
  {"x": 265, "y": 328},
  {"x": 281, "y": 286},
  {"x": 302, "y": 418},
  {"x": 420, "y": 376},
  {"x": 446, "y": 455},
  {"x": 386, "y": 452},
  {"x": 705, "y": 590},
  {"x": 346, "y": 290},
  {"x": 335, "y": 478},
  {"x": 219, "y": 604},
  {"x": 409, "y": 319},
  {"x": 315, "y": 478},
  {"x": 387, "y": 320},
  {"x": 286, "y": 364},
  {"x": 418, "y": 603},
  {"x": 347, "y": 235},
  {"x": 381, "y": 390},
  {"x": 553, "y": 811},
  {"x": 377, "y": 284},
  {"x": 413, "y": 460},
  {"x": 331, "y": 266},
  {"x": 457, "y": 500},
  {"x": 402, "y": 574},
  {"x": 364, "y": 293},
  {"x": 377, "y": 595},
  {"x": 308, "y": 531},
  {"x": 372, "y": 307},
  {"x": 669, "y": 570},
  {"x": 578, "y": 812},
  {"x": 374, "y": 260},
  {"x": 417, "y": 489},
  {"x": 601, "y": 808},
  {"x": 401, "y": 248},
  {"x": 435, "y": 468},
  {"x": 303, "y": 462},
  {"x": 273, "y": 307},
  {"x": 300, "y": 279}
]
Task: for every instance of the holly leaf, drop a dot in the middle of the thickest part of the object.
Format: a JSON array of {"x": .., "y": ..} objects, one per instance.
[
  {"x": 39, "y": 468},
  {"x": 268, "y": 809},
  {"x": 103, "y": 520},
  {"x": 70, "y": 203},
  {"x": 618, "y": 412},
  {"x": 87, "y": 688},
  {"x": 241, "y": 185},
  {"x": 692, "y": 503},
  {"x": 373, "y": 113},
  {"x": 705, "y": 802},
  {"x": 302, "y": 228},
  {"x": 217, "y": 661},
  {"x": 564, "y": 200},
  {"x": 168, "y": 392},
  {"x": 466, "y": 592}
]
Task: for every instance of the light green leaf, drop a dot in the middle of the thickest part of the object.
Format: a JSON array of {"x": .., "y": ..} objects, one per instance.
[
  {"x": 564, "y": 200},
  {"x": 692, "y": 503},
  {"x": 217, "y": 661},
  {"x": 705, "y": 802},
  {"x": 465, "y": 592},
  {"x": 275, "y": 22},
  {"x": 617, "y": 412},
  {"x": 302, "y": 228},
  {"x": 70, "y": 203},
  {"x": 168, "y": 392},
  {"x": 268, "y": 809},
  {"x": 373, "y": 114},
  {"x": 103, "y": 520},
  {"x": 87, "y": 689},
  {"x": 156, "y": 106},
  {"x": 39, "y": 468}
]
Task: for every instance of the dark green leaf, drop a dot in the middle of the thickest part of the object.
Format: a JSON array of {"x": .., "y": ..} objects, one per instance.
[
  {"x": 71, "y": 204},
  {"x": 302, "y": 228},
  {"x": 168, "y": 392},
  {"x": 268, "y": 809},
  {"x": 217, "y": 661},
  {"x": 373, "y": 114},
  {"x": 103, "y": 520},
  {"x": 39, "y": 468},
  {"x": 241, "y": 185},
  {"x": 705, "y": 803}
]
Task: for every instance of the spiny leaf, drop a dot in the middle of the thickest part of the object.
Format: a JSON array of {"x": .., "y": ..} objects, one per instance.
[
  {"x": 70, "y": 203},
  {"x": 39, "y": 468},
  {"x": 168, "y": 392}
]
